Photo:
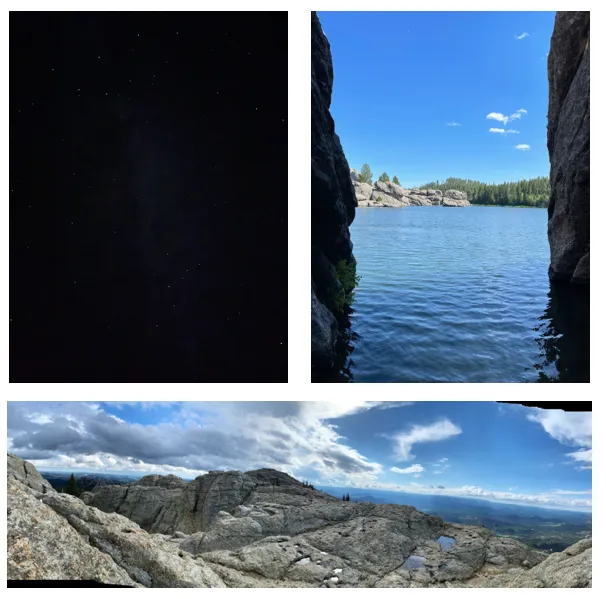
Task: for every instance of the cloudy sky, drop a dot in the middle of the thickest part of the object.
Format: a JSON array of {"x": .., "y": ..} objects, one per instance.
[{"x": 475, "y": 449}]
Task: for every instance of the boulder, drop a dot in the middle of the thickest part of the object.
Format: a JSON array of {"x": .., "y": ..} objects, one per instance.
[{"x": 454, "y": 198}]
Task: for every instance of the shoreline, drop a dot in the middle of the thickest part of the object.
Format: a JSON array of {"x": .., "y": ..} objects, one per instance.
[{"x": 470, "y": 206}]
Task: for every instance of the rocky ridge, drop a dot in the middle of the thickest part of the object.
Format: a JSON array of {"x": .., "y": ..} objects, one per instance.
[
  {"x": 259, "y": 529},
  {"x": 389, "y": 195},
  {"x": 333, "y": 204},
  {"x": 568, "y": 146}
]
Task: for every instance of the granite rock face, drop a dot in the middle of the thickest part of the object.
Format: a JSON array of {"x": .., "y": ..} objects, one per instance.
[
  {"x": 332, "y": 206},
  {"x": 265, "y": 529},
  {"x": 389, "y": 195},
  {"x": 568, "y": 146}
]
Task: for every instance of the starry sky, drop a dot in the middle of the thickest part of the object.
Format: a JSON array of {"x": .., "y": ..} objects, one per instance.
[
  {"x": 148, "y": 200},
  {"x": 487, "y": 450}
]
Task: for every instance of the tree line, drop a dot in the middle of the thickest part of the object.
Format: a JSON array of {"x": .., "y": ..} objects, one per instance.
[{"x": 527, "y": 192}]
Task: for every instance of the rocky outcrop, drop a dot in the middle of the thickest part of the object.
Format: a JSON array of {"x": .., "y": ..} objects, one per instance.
[
  {"x": 333, "y": 204},
  {"x": 568, "y": 146},
  {"x": 389, "y": 195},
  {"x": 281, "y": 534},
  {"x": 168, "y": 504}
]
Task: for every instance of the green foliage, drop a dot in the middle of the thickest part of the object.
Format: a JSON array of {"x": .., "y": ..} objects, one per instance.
[
  {"x": 396, "y": 181},
  {"x": 72, "y": 488},
  {"x": 384, "y": 178},
  {"x": 528, "y": 192},
  {"x": 347, "y": 497},
  {"x": 366, "y": 174},
  {"x": 346, "y": 274}
]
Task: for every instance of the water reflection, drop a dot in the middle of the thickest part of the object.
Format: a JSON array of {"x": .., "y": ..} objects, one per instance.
[
  {"x": 413, "y": 562},
  {"x": 564, "y": 336},
  {"x": 342, "y": 371},
  {"x": 446, "y": 543}
]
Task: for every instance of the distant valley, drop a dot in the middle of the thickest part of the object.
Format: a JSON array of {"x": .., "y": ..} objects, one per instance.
[{"x": 546, "y": 529}]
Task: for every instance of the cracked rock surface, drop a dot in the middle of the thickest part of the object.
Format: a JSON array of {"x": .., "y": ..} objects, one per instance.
[{"x": 260, "y": 529}]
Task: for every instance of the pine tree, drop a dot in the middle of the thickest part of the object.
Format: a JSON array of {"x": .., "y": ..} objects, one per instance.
[
  {"x": 396, "y": 181},
  {"x": 72, "y": 487},
  {"x": 384, "y": 178},
  {"x": 365, "y": 175},
  {"x": 347, "y": 497}
]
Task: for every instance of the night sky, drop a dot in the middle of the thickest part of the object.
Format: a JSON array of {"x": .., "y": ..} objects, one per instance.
[{"x": 148, "y": 197}]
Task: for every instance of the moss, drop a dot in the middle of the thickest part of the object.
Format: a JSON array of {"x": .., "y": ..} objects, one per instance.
[{"x": 348, "y": 279}]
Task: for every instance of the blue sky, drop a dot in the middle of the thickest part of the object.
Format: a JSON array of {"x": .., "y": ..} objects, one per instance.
[
  {"x": 485, "y": 450},
  {"x": 402, "y": 77}
]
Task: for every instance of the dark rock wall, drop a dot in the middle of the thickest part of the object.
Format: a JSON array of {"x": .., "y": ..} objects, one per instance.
[
  {"x": 333, "y": 203},
  {"x": 568, "y": 145}
]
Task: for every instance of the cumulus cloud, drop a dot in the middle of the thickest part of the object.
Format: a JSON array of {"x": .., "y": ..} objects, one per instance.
[
  {"x": 568, "y": 428},
  {"x": 503, "y": 131},
  {"x": 521, "y": 36},
  {"x": 523, "y": 147},
  {"x": 410, "y": 470},
  {"x": 585, "y": 457},
  {"x": 200, "y": 436},
  {"x": 453, "y": 124},
  {"x": 438, "y": 431},
  {"x": 499, "y": 116}
]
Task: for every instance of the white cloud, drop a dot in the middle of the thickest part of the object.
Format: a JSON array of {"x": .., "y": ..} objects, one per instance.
[
  {"x": 498, "y": 116},
  {"x": 568, "y": 428},
  {"x": 504, "y": 131},
  {"x": 200, "y": 436},
  {"x": 439, "y": 431},
  {"x": 560, "y": 492},
  {"x": 453, "y": 124},
  {"x": 523, "y": 147},
  {"x": 553, "y": 499},
  {"x": 443, "y": 460},
  {"x": 584, "y": 456},
  {"x": 522, "y": 36},
  {"x": 410, "y": 470}
]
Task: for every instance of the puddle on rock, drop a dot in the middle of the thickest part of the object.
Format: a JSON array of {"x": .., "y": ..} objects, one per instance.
[
  {"x": 446, "y": 543},
  {"x": 413, "y": 562}
]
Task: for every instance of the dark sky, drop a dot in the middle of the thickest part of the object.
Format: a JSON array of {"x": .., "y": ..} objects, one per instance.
[{"x": 148, "y": 203}]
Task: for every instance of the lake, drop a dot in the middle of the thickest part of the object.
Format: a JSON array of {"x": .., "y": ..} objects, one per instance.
[{"x": 461, "y": 295}]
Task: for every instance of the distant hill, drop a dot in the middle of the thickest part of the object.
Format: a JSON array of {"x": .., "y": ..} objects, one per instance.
[
  {"x": 87, "y": 481},
  {"x": 546, "y": 529}
]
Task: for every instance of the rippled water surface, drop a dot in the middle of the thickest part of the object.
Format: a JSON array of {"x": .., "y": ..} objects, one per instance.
[{"x": 461, "y": 295}]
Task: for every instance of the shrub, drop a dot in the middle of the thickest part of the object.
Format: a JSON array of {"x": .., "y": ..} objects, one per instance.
[{"x": 346, "y": 274}]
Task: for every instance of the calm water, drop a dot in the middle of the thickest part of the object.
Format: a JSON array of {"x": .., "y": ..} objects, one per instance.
[{"x": 461, "y": 295}]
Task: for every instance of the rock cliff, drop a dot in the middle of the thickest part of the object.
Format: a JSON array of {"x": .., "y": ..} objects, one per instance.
[
  {"x": 333, "y": 204},
  {"x": 568, "y": 146},
  {"x": 389, "y": 195},
  {"x": 259, "y": 529}
]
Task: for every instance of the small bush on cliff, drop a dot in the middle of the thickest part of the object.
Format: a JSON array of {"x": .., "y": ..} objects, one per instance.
[
  {"x": 365, "y": 175},
  {"x": 346, "y": 273},
  {"x": 384, "y": 178},
  {"x": 396, "y": 181}
]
